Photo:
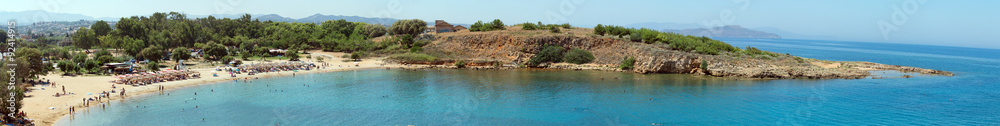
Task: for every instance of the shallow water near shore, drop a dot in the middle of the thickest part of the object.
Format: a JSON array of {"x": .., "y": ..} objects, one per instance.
[{"x": 563, "y": 97}]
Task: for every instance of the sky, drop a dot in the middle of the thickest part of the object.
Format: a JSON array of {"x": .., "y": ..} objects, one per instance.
[{"x": 963, "y": 23}]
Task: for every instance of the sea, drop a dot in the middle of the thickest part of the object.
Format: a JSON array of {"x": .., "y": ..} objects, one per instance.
[{"x": 528, "y": 97}]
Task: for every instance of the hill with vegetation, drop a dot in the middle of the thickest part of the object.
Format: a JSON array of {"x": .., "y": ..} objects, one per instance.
[{"x": 608, "y": 47}]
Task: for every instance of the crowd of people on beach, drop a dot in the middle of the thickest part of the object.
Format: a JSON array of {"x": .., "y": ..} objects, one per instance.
[
  {"x": 252, "y": 69},
  {"x": 146, "y": 78}
]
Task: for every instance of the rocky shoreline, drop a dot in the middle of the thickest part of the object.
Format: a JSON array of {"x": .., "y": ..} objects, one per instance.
[{"x": 508, "y": 49}]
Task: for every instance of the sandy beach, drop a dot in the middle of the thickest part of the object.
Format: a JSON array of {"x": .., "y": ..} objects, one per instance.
[{"x": 37, "y": 106}]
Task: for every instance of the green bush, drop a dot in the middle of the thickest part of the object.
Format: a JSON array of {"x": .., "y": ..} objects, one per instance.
[
  {"x": 227, "y": 59},
  {"x": 635, "y": 37},
  {"x": 578, "y": 56},
  {"x": 480, "y": 26},
  {"x": 704, "y": 65},
  {"x": 292, "y": 54},
  {"x": 416, "y": 49},
  {"x": 548, "y": 54},
  {"x": 566, "y": 26},
  {"x": 676, "y": 41},
  {"x": 154, "y": 66},
  {"x": 599, "y": 29},
  {"x": 409, "y": 27},
  {"x": 555, "y": 30},
  {"x": 754, "y": 51},
  {"x": 460, "y": 64},
  {"x": 628, "y": 63},
  {"x": 91, "y": 65},
  {"x": 529, "y": 26},
  {"x": 356, "y": 55}
]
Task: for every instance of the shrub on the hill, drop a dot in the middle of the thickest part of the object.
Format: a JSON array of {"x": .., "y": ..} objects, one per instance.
[
  {"x": 578, "y": 56},
  {"x": 548, "y": 54},
  {"x": 628, "y": 63}
]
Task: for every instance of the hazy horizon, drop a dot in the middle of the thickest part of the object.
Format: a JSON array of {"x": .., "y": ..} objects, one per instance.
[{"x": 949, "y": 23}]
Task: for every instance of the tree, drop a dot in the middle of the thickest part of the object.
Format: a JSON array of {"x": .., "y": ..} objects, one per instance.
[
  {"x": 101, "y": 28},
  {"x": 356, "y": 55},
  {"x": 406, "y": 41},
  {"x": 12, "y": 98},
  {"x": 131, "y": 27},
  {"x": 292, "y": 54},
  {"x": 478, "y": 26},
  {"x": 152, "y": 53},
  {"x": 68, "y": 67},
  {"x": 180, "y": 53},
  {"x": 341, "y": 26},
  {"x": 84, "y": 38},
  {"x": 153, "y": 66},
  {"x": 105, "y": 59},
  {"x": 3, "y": 36},
  {"x": 411, "y": 27},
  {"x": 599, "y": 29},
  {"x": 497, "y": 25},
  {"x": 371, "y": 30},
  {"x": 215, "y": 50},
  {"x": 227, "y": 59},
  {"x": 102, "y": 52},
  {"x": 133, "y": 47},
  {"x": 91, "y": 65},
  {"x": 32, "y": 57},
  {"x": 261, "y": 52},
  {"x": 79, "y": 58}
]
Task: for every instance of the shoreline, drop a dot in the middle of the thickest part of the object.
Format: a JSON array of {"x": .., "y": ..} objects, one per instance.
[
  {"x": 44, "y": 116},
  {"x": 179, "y": 85},
  {"x": 41, "y": 97}
]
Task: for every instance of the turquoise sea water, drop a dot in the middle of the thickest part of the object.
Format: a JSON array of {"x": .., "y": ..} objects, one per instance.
[{"x": 552, "y": 97}]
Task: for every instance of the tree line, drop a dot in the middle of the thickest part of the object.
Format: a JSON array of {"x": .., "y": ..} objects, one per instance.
[
  {"x": 143, "y": 37},
  {"x": 676, "y": 41}
]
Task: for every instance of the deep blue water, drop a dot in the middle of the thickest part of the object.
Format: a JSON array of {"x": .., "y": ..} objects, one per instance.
[{"x": 543, "y": 97}]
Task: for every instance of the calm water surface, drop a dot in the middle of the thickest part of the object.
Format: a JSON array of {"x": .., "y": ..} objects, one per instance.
[{"x": 545, "y": 97}]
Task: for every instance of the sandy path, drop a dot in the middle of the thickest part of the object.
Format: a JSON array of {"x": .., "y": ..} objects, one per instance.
[{"x": 37, "y": 105}]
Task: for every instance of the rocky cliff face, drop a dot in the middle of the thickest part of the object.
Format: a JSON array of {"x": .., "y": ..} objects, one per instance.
[{"x": 515, "y": 49}]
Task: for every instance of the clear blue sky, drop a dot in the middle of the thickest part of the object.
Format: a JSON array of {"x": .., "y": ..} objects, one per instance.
[{"x": 966, "y": 23}]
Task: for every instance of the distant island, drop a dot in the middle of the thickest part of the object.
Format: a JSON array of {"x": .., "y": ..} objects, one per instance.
[{"x": 730, "y": 31}]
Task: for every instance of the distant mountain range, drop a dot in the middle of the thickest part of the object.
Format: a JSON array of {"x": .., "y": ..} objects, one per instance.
[
  {"x": 731, "y": 31},
  {"x": 316, "y": 18},
  {"x": 735, "y": 31},
  {"x": 32, "y": 16}
]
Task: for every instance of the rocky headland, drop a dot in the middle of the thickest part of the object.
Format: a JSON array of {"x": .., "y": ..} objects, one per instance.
[{"x": 513, "y": 47}]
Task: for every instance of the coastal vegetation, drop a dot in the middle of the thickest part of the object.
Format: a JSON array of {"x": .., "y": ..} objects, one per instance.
[
  {"x": 676, "y": 41},
  {"x": 495, "y": 25},
  {"x": 578, "y": 56},
  {"x": 548, "y": 54},
  {"x": 627, "y": 64}
]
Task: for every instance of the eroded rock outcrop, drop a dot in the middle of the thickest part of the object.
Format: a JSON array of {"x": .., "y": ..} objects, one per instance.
[{"x": 650, "y": 58}]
